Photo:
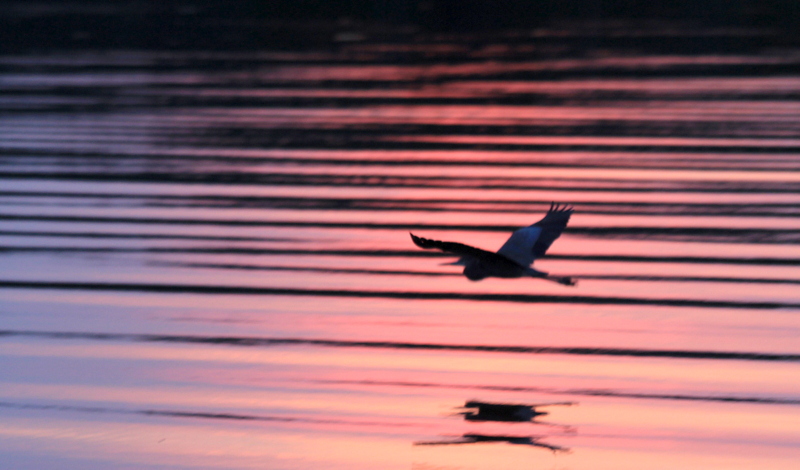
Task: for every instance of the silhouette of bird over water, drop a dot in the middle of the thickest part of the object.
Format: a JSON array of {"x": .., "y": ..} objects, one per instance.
[{"x": 515, "y": 257}]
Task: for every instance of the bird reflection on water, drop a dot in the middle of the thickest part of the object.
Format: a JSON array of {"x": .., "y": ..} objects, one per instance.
[
  {"x": 515, "y": 257},
  {"x": 471, "y": 438},
  {"x": 479, "y": 411}
]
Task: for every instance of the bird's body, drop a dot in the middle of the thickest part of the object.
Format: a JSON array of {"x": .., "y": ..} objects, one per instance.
[{"x": 515, "y": 257}]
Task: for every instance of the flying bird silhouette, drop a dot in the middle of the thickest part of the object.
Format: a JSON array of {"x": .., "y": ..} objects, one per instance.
[{"x": 515, "y": 257}]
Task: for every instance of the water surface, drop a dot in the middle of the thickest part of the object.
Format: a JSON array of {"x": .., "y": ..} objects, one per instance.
[{"x": 206, "y": 260}]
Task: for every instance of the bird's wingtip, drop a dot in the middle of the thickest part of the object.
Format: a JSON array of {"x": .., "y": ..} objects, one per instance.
[{"x": 559, "y": 207}]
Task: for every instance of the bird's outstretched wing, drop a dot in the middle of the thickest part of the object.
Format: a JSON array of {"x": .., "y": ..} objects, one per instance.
[
  {"x": 458, "y": 249},
  {"x": 529, "y": 243}
]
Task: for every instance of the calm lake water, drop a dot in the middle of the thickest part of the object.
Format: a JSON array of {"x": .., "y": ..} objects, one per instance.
[{"x": 205, "y": 259}]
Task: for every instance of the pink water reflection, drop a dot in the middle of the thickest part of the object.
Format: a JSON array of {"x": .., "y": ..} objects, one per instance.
[{"x": 185, "y": 286}]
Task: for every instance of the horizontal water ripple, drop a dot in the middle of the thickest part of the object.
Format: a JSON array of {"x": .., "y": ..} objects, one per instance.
[
  {"x": 280, "y": 341},
  {"x": 389, "y": 272},
  {"x": 193, "y": 414},
  {"x": 379, "y": 180},
  {"x": 410, "y": 295},
  {"x": 766, "y": 261},
  {"x": 729, "y": 235},
  {"x": 211, "y": 200},
  {"x": 579, "y": 392}
]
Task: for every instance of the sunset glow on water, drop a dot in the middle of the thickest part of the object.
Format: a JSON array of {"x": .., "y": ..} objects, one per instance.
[{"x": 206, "y": 259}]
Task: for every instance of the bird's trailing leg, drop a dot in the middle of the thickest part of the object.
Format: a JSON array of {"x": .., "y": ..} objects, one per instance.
[{"x": 563, "y": 280}]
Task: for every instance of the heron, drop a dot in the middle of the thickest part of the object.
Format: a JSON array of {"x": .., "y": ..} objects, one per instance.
[{"x": 515, "y": 258}]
